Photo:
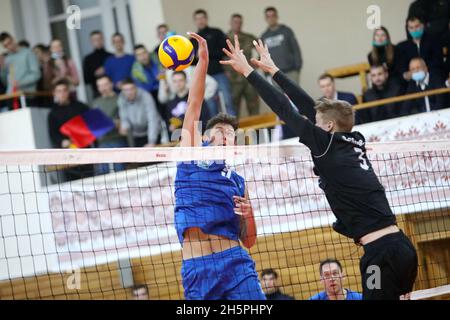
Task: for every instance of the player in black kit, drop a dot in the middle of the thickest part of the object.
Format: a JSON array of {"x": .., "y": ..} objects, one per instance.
[{"x": 354, "y": 193}]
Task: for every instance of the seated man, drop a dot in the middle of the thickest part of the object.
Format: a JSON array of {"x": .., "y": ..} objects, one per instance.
[
  {"x": 63, "y": 110},
  {"x": 423, "y": 80},
  {"x": 139, "y": 117},
  {"x": 331, "y": 276},
  {"x": 269, "y": 283},
  {"x": 107, "y": 103},
  {"x": 383, "y": 87},
  {"x": 328, "y": 88},
  {"x": 176, "y": 107},
  {"x": 140, "y": 292}
]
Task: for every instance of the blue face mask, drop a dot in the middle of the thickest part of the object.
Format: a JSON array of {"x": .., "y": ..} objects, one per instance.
[
  {"x": 380, "y": 44},
  {"x": 417, "y": 34},
  {"x": 419, "y": 76}
]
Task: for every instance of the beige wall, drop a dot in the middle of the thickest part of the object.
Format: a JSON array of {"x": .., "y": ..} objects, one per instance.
[
  {"x": 6, "y": 16},
  {"x": 331, "y": 33},
  {"x": 147, "y": 15}
]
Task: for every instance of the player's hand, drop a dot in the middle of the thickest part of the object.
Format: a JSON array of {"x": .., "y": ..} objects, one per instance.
[
  {"x": 203, "y": 53},
  {"x": 243, "y": 206},
  {"x": 265, "y": 62},
  {"x": 237, "y": 61}
]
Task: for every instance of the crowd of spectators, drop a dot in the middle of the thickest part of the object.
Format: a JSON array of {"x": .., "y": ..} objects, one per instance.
[{"x": 148, "y": 102}]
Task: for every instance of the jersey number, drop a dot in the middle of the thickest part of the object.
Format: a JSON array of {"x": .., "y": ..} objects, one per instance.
[{"x": 363, "y": 163}]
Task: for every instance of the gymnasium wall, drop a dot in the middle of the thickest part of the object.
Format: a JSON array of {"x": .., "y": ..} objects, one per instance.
[
  {"x": 6, "y": 18},
  {"x": 330, "y": 33}
]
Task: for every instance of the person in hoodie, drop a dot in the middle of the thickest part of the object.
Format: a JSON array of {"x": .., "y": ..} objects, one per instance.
[{"x": 283, "y": 45}]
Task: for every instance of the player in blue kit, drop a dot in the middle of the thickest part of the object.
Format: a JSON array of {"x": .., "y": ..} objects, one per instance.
[{"x": 212, "y": 209}]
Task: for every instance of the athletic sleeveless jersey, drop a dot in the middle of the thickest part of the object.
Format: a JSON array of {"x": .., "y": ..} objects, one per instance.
[{"x": 204, "y": 193}]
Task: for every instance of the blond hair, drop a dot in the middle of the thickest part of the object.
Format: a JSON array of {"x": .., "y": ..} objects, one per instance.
[{"x": 339, "y": 111}]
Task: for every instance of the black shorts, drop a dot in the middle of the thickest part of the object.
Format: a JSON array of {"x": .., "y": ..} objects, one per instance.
[{"x": 388, "y": 267}]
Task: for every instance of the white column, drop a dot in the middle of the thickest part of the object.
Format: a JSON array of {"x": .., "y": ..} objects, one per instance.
[
  {"x": 146, "y": 16},
  {"x": 35, "y": 21}
]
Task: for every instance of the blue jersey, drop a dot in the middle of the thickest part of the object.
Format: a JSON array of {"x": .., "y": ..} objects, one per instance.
[
  {"x": 204, "y": 193},
  {"x": 351, "y": 295}
]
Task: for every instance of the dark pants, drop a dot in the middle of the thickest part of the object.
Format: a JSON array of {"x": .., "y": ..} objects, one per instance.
[
  {"x": 388, "y": 267},
  {"x": 105, "y": 168},
  {"x": 139, "y": 142}
]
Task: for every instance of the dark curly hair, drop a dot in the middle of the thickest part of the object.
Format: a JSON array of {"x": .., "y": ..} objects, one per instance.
[{"x": 223, "y": 118}]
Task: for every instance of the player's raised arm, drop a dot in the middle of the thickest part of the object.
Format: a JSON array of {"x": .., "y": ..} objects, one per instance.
[
  {"x": 276, "y": 100},
  {"x": 315, "y": 138},
  {"x": 191, "y": 135},
  {"x": 248, "y": 225},
  {"x": 299, "y": 97}
]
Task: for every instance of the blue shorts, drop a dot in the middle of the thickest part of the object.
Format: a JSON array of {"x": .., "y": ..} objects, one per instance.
[{"x": 226, "y": 275}]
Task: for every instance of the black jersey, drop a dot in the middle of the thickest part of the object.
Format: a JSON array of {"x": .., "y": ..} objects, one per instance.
[{"x": 356, "y": 196}]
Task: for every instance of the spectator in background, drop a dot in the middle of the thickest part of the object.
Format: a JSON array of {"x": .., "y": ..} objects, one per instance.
[
  {"x": 118, "y": 67},
  {"x": 2, "y": 65},
  {"x": 140, "y": 292},
  {"x": 20, "y": 70},
  {"x": 216, "y": 40},
  {"x": 176, "y": 107},
  {"x": 162, "y": 31},
  {"x": 138, "y": 115},
  {"x": 107, "y": 103},
  {"x": 419, "y": 44},
  {"x": 328, "y": 89},
  {"x": 63, "y": 68},
  {"x": 423, "y": 80},
  {"x": 384, "y": 52},
  {"x": 283, "y": 46},
  {"x": 64, "y": 109},
  {"x": 239, "y": 85},
  {"x": 435, "y": 14},
  {"x": 269, "y": 280},
  {"x": 93, "y": 62},
  {"x": 44, "y": 56},
  {"x": 145, "y": 73},
  {"x": 168, "y": 90},
  {"x": 383, "y": 87},
  {"x": 331, "y": 276}
]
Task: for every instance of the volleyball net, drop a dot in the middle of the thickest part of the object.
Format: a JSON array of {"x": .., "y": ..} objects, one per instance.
[{"x": 70, "y": 231}]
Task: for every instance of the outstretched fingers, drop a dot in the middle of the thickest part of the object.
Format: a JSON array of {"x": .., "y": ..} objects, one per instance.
[
  {"x": 231, "y": 46},
  {"x": 237, "y": 45}
]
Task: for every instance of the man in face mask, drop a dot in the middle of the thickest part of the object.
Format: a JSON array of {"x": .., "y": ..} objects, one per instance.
[
  {"x": 423, "y": 79},
  {"x": 419, "y": 44}
]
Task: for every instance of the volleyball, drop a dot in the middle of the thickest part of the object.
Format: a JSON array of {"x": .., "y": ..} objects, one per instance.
[{"x": 176, "y": 53}]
